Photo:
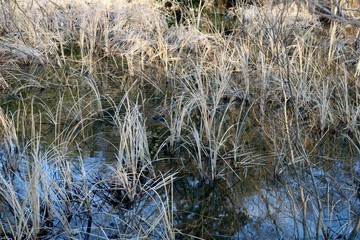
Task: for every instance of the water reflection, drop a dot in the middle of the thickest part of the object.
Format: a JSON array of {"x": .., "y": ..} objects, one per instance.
[
  {"x": 231, "y": 208},
  {"x": 206, "y": 211}
]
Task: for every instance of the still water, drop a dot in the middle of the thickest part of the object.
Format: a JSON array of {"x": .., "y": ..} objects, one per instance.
[{"x": 248, "y": 202}]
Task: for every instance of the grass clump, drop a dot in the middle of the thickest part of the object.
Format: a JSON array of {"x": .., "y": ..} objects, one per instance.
[{"x": 220, "y": 94}]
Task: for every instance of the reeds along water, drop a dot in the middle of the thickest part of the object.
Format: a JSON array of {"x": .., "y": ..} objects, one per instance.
[{"x": 273, "y": 102}]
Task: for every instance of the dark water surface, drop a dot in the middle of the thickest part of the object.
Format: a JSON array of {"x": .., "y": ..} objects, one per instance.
[{"x": 252, "y": 202}]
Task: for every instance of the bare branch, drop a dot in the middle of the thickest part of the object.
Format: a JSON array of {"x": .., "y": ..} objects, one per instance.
[{"x": 324, "y": 12}]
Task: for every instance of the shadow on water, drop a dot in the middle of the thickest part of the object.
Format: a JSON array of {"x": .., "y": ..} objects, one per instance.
[{"x": 206, "y": 211}]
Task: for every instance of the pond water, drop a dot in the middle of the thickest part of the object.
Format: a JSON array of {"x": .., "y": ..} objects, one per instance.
[{"x": 254, "y": 201}]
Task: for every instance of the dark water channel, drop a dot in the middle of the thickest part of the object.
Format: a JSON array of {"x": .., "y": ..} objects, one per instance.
[{"x": 249, "y": 203}]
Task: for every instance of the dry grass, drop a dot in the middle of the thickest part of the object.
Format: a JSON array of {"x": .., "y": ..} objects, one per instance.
[{"x": 256, "y": 86}]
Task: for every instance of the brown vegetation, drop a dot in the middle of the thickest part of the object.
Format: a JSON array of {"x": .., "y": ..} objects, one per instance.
[{"x": 242, "y": 89}]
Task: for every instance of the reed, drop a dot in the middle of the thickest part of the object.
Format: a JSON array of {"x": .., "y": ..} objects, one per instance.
[
  {"x": 9, "y": 142},
  {"x": 132, "y": 157},
  {"x": 262, "y": 86}
]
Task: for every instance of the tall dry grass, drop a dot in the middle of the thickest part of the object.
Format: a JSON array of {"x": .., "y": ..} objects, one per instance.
[
  {"x": 47, "y": 190},
  {"x": 262, "y": 86}
]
